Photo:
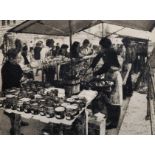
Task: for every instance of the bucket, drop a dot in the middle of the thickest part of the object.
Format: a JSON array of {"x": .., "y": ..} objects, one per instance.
[{"x": 72, "y": 87}]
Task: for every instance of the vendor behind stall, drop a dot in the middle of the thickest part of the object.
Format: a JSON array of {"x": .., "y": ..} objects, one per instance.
[
  {"x": 63, "y": 50},
  {"x": 75, "y": 50},
  {"x": 85, "y": 48},
  {"x": 48, "y": 52},
  {"x": 107, "y": 54},
  {"x": 11, "y": 71},
  {"x": 109, "y": 101}
]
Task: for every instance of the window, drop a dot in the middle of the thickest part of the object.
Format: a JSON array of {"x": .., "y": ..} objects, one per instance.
[
  {"x": 14, "y": 21},
  {"x": 3, "y": 23},
  {"x": 8, "y": 22}
]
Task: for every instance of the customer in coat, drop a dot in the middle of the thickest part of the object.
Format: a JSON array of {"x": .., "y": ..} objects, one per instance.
[
  {"x": 11, "y": 71},
  {"x": 11, "y": 77}
]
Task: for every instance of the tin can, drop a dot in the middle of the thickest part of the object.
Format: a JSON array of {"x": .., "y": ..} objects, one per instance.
[
  {"x": 10, "y": 100},
  {"x": 50, "y": 112},
  {"x": 35, "y": 108},
  {"x": 60, "y": 112},
  {"x": 42, "y": 110},
  {"x": 20, "y": 106}
]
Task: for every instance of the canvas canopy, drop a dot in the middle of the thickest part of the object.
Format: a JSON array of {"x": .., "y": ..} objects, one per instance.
[
  {"x": 145, "y": 25},
  {"x": 53, "y": 27},
  {"x": 65, "y": 27}
]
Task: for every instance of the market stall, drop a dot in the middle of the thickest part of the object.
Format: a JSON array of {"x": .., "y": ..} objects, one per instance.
[
  {"x": 40, "y": 112},
  {"x": 49, "y": 106},
  {"x": 32, "y": 104}
]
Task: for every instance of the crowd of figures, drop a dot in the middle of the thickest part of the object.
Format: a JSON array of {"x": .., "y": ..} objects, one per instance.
[{"x": 119, "y": 63}]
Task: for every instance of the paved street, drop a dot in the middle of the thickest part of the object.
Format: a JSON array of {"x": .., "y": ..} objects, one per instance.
[{"x": 134, "y": 122}]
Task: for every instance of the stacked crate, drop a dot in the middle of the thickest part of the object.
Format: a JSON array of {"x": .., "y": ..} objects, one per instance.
[{"x": 97, "y": 126}]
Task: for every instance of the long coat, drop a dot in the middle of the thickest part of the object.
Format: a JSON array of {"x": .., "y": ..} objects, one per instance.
[{"x": 11, "y": 75}]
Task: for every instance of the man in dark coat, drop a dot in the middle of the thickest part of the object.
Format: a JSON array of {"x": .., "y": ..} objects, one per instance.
[
  {"x": 11, "y": 76},
  {"x": 108, "y": 55},
  {"x": 11, "y": 71}
]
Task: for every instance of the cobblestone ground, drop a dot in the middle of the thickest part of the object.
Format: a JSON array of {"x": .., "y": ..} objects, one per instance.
[{"x": 134, "y": 122}]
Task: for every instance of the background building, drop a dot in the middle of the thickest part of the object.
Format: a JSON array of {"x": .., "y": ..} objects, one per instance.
[{"x": 6, "y": 25}]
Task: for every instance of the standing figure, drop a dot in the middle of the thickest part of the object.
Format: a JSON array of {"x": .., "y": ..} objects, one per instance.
[
  {"x": 63, "y": 50},
  {"x": 24, "y": 53},
  {"x": 127, "y": 69},
  {"x": 85, "y": 48},
  {"x": 107, "y": 54},
  {"x": 75, "y": 50},
  {"x": 48, "y": 52},
  {"x": 116, "y": 96},
  {"x": 11, "y": 71}
]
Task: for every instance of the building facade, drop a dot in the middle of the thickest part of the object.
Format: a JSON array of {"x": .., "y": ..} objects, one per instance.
[{"x": 5, "y": 25}]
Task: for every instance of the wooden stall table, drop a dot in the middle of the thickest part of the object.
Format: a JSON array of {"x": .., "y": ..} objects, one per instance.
[{"x": 88, "y": 94}]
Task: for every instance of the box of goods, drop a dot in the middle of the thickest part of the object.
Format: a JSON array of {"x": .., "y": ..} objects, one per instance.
[{"x": 97, "y": 125}]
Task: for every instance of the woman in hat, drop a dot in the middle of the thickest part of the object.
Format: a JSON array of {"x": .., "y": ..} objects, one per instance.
[{"x": 11, "y": 71}]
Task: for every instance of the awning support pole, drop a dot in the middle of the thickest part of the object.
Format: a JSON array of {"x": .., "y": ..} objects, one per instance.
[
  {"x": 70, "y": 33},
  {"x": 102, "y": 29}
]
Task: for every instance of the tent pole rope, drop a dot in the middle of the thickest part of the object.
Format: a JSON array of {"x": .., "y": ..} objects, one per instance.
[
  {"x": 92, "y": 34},
  {"x": 115, "y": 32},
  {"x": 103, "y": 34}
]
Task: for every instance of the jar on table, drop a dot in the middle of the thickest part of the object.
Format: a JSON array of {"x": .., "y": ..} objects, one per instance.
[
  {"x": 69, "y": 113},
  {"x": 26, "y": 105},
  {"x": 60, "y": 112},
  {"x": 42, "y": 110},
  {"x": 50, "y": 112},
  {"x": 30, "y": 94},
  {"x": 10, "y": 100},
  {"x": 38, "y": 98},
  {"x": 35, "y": 108},
  {"x": 81, "y": 103},
  {"x": 14, "y": 103},
  {"x": 20, "y": 106}
]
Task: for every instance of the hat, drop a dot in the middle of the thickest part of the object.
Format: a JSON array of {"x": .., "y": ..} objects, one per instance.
[
  {"x": 49, "y": 42},
  {"x": 126, "y": 40},
  {"x": 64, "y": 46},
  {"x": 38, "y": 44},
  {"x": 86, "y": 41},
  {"x": 12, "y": 53}
]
